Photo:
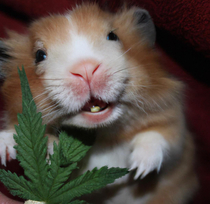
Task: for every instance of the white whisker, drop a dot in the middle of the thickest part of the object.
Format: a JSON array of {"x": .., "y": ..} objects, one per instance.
[
  {"x": 52, "y": 111},
  {"x": 43, "y": 93},
  {"x": 52, "y": 106}
]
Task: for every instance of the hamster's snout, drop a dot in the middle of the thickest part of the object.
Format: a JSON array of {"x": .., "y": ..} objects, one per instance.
[
  {"x": 88, "y": 77},
  {"x": 85, "y": 69}
]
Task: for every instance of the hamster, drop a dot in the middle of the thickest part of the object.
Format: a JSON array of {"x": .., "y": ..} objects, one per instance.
[{"x": 99, "y": 71}]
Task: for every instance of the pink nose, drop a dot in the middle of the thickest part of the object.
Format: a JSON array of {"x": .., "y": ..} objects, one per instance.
[{"x": 85, "y": 69}]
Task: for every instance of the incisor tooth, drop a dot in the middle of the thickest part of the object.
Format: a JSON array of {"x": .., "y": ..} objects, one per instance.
[{"x": 95, "y": 109}]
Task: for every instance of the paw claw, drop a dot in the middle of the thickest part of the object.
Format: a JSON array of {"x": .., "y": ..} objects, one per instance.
[
  {"x": 139, "y": 172},
  {"x": 12, "y": 152},
  {"x": 134, "y": 166},
  {"x": 3, "y": 158},
  {"x": 51, "y": 140},
  {"x": 144, "y": 174},
  {"x": 6, "y": 146}
]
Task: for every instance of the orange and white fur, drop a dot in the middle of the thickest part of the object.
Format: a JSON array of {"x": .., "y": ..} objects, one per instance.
[{"x": 87, "y": 58}]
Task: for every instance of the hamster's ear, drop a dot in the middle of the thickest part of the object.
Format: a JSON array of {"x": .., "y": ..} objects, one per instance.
[
  {"x": 4, "y": 57},
  {"x": 145, "y": 25}
]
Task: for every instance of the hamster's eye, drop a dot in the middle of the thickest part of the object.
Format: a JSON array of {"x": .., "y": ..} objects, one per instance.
[
  {"x": 112, "y": 36},
  {"x": 40, "y": 56}
]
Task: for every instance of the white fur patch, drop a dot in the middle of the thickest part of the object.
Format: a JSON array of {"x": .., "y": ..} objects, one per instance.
[
  {"x": 148, "y": 151},
  {"x": 6, "y": 145},
  {"x": 116, "y": 156},
  {"x": 81, "y": 48}
]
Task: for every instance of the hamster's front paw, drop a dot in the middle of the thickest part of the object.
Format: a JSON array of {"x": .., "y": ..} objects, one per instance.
[
  {"x": 147, "y": 154},
  {"x": 7, "y": 143}
]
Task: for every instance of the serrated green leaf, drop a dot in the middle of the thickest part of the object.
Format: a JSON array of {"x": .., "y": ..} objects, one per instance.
[
  {"x": 57, "y": 175},
  {"x": 86, "y": 183},
  {"x": 31, "y": 157},
  {"x": 73, "y": 150},
  {"x": 26, "y": 140},
  {"x": 18, "y": 186},
  {"x": 32, "y": 145}
]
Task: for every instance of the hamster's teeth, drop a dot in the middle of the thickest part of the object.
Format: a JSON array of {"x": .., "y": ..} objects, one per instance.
[{"x": 95, "y": 109}]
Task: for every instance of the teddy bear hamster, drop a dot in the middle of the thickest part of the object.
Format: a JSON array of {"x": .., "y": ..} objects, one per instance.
[{"x": 99, "y": 71}]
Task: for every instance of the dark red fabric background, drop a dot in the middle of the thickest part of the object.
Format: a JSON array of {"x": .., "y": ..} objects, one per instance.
[{"x": 183, "y": 39}]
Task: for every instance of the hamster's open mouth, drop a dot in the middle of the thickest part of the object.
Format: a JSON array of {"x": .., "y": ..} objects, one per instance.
[
  {"x": 96, "y": 111},
  {"x": 95, "y": 105}
]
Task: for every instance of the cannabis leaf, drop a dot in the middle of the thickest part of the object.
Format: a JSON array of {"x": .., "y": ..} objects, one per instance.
[
  {"x": 86, "y": 183},
  {"x": 48, "y": 180}
]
